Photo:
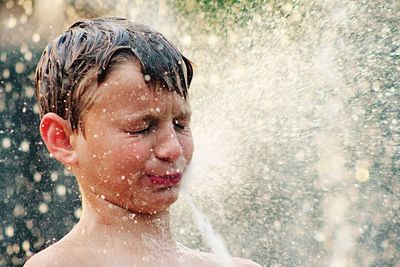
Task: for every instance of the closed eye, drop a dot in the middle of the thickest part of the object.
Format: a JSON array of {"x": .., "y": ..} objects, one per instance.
[
  {"x": 145, "y": 128},
  {"x": 139, "y": 132},
  {"x": 180, "y": 125}
]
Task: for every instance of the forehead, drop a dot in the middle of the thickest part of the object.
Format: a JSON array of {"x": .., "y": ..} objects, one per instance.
[{"x": 125, "y": 88}]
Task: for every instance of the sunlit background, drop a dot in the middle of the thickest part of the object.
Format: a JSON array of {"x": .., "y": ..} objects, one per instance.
[{"x": 296, "y": 125}]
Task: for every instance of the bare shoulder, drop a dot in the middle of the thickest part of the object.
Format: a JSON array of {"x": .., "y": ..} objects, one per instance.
[
  {"x": 240, "y": 262},
  {"x": 54, "y": 256},
  {"x": 45, "y": 258},
  {"x": 201, "y": 258}
]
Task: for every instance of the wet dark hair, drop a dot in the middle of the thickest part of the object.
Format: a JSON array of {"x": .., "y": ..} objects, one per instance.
[{"x": 78, "y": 60}]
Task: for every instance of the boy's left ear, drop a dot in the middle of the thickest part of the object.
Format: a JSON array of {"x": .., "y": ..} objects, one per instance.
[{"x": 56, "y": 133}]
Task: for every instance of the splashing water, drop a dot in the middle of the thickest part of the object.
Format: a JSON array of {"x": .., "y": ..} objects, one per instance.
[
  {"x": 295, "y": 119},
  {"x": 213, "y": 239}
]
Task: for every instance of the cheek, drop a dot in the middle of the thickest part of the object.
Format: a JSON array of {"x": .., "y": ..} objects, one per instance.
[
  {"x": 187, "y": 147},
  {"x": 115, "y": 155},
  {"x": 129, "y": 156}
]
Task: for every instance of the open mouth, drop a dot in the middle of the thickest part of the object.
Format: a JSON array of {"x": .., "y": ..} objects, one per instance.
[{"x": 166, "y": 180}]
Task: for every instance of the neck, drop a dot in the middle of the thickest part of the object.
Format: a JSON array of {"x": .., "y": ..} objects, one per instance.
[{"x": 105, "y": 223}]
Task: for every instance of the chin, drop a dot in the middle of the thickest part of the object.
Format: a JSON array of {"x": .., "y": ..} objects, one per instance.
[
  {"x": 164, "y": 204},
  {"x": 151, "y": 209},
  {"x": 157, "y": 203}
]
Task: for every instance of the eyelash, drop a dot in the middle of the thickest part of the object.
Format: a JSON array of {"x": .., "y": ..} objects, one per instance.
[
  {"x": 143, "y": 131},
  {"x": 177, "y": 125}
]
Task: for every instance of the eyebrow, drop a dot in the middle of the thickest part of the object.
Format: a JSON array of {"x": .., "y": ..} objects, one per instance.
[{"x": 153, "y": 114}]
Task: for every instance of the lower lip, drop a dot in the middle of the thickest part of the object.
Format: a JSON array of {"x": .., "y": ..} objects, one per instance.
[{"x": 166, "y": 180}]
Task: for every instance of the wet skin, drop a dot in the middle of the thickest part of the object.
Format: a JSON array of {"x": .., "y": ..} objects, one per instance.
[{"x": 132, "y": 133}]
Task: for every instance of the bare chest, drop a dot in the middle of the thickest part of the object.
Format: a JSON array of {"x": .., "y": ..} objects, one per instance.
[{"x": 117, "y": 259}]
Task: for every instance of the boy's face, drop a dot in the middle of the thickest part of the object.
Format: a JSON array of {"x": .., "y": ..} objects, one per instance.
[{"x": 137, "y": 143}]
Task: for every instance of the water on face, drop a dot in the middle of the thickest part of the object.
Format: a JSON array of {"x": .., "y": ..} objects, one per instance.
[{"x": 296, "y": 127}]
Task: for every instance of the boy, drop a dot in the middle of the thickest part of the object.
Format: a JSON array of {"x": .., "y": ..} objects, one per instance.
[{"x": 114, "y": 105}]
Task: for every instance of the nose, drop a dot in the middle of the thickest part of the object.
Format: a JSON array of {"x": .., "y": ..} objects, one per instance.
[{"x": 167, "y": 146}]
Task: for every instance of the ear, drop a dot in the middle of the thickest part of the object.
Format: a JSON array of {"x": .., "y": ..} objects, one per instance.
[{"x": 56, "y": 133}]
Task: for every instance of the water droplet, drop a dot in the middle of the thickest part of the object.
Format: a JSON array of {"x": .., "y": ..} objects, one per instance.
[
  {"x": 362, "y": 174},
  {"x": 8, "y": 87},
  {"x": 11, "y": 23},
  {"x": 320, "y": 237},
  {"x": 78, "y": 213},
  {"x": 23, "y": 19},
  {"x": 54, "y": 176},
  {"x": 6, "y": 142},
  {"x": 37, "y": 177},
  {"x": 19, "y": 67},
  {"x": 36, "y": 109},
  {"x": 36, "y": 37},
  {"x": 9, "y": 231},
  {"x": 9, "y": 4},
  {"x": 19, "y": 210},
  {"x": 186, "y": 40},
  {"x": 29, "y": 224},
  {"x": 6, "y": 73},
  {"x": 26, "y": 245},
  {"x": 43, "y": 208},
  {"x": 24, "y": 146},
  {"x": 61, "y": 190},
  {"x": 29, "y": 92}
]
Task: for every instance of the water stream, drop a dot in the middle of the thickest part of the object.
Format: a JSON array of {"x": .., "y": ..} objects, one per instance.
[
  {"x": 295, "y": 121},
  {"x": 213, "y": 239}
]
